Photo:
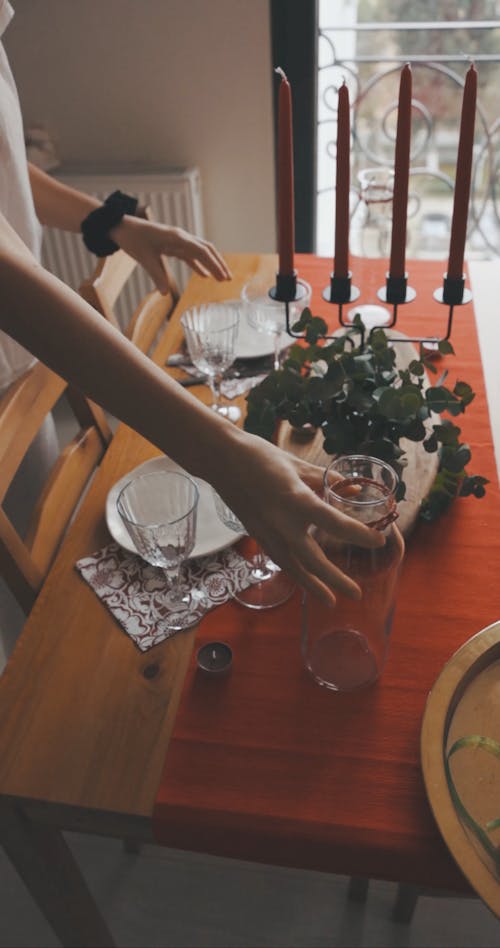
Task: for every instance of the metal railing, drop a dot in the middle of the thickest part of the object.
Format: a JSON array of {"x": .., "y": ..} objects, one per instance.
[{"x": 368, "y": 56}]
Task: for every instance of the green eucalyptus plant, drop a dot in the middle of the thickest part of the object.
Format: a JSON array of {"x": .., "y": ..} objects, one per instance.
[{"x": 351, "y": 389}]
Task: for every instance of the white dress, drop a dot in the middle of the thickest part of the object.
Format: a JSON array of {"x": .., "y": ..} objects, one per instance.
[
  {"x": 16, "y": 203},
  {"x": 16, "y": 200}
]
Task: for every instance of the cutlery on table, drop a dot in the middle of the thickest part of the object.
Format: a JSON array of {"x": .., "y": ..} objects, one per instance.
[{"x": 241, "y": 368}]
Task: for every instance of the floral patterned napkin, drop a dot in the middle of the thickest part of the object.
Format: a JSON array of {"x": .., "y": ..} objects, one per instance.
[{"x": 133, "y": 591}]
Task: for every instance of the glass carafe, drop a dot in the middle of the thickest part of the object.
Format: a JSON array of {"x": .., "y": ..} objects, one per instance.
[
  {"x": 371, "y": 221},
  {"x": 345, "y": 646}
]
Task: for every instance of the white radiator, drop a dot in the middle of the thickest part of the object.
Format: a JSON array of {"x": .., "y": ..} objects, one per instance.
[{"x": 173, "y": 197}]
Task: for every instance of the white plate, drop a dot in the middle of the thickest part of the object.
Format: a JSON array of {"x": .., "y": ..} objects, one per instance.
[
  {"x": 252, "y": 344},
  {"x": 211, "y": 534}
]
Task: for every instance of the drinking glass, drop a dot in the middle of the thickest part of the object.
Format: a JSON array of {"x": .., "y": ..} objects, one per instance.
[
  {"x": 271, "y": 586},
  {"x": 346, "y": 647},
  {"x": 370, "y": 232},
  {"x": 211, "y": 331},
  {"x": 371, "y": 221},
  {"x": 269, "y": 316},
  {"x": 159, "y": 512}
]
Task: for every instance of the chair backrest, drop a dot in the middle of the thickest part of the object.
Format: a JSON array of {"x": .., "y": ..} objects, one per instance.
[
  {"x": 150, "y": 316},
  {"x": 103, "y": 288},
  {"x": 25, "y": 560}
]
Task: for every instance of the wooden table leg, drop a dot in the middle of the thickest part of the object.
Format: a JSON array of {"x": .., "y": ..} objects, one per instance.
[{"x": 47, "y": 867}]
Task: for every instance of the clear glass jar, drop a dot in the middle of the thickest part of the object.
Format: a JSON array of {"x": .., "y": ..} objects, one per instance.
[
  {"x": 345, "y": 647},
  {"x": 370, "y": 230}
]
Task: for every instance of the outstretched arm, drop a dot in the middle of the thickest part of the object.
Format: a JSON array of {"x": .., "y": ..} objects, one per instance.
[
  {"x": 267, "y": 488},
  {"x": 58, "y": 205}
]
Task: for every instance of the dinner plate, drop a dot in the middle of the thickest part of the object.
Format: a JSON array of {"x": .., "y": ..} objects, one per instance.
[
  {"x": 460, "y": 752},
  {"x": 211, "y": 534},
  {"x": 252, "y": 344}
]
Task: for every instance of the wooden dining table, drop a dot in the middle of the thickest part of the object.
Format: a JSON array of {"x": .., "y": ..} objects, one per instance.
[{"x": 87, "y": 720}]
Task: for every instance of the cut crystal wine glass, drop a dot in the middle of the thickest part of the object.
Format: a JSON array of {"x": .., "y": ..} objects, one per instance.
[
  {"x": 159, "y": 512},
  {"x": 211, "y": 331},
  {"x": 267, "y": 315},
  {"x": 270, "y": 585}
]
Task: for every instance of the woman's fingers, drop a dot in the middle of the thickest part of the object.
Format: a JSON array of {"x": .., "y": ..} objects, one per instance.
[
  {"x": 300, "y": 555},
  {"x": 199, "y": 254},
  {"x": 214, "y": 261},
  {"x": 344, "y": 527},
  {"x": 317, "y": 571},
  {"x": 148, "y": 241}
]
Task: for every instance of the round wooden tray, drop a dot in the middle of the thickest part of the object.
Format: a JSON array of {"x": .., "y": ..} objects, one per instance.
[{"x": 465, "y": 703}]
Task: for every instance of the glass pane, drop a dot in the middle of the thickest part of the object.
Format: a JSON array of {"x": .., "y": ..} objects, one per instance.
[{"x": 366, "y": 44}]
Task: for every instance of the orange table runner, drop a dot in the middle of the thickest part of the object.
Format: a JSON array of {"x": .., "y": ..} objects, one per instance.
[{"x": 265, "y": 765}]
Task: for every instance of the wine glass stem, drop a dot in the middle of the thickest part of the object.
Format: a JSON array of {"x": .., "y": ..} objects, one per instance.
[
  {"x": 173, "y": 574},
  {"x": 260, "y": 563},
  {"x": 277, "y": 360},
  {"x": 215, "y": 384}
]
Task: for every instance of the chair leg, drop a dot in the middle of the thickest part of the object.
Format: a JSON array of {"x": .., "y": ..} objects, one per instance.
[
  {"x": 358, "y": 889},
  {"x": 405, "y": 903},
  {"x": 132, "y": 847},
  {"x": 49, "y": 870}
]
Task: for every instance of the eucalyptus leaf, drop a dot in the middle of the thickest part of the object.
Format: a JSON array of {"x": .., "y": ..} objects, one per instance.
[
  {"x": 414, "y": 430},
  {"x": 447, "y": 433},
  {"x": 430, "y": 444},
  {"x": 445, "y": 347},
  {"x": 388, "y": 403},
  {"x": 456, "y": 460},
  {"x": 416, "y": 368},
  {"x": 463, "y": 391},
  {"x": 360, "y": 400}
]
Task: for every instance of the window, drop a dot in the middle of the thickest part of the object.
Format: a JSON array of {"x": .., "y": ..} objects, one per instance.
[{"x": 367, "y": 42}]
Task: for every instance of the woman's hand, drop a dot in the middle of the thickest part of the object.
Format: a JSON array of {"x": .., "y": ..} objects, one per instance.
[
  {"x": 148, "y": 241},
  {"x": 273, "y": 494}
]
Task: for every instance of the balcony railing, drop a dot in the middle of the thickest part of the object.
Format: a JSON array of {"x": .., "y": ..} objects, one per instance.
[{"x": 369, "y": 57}]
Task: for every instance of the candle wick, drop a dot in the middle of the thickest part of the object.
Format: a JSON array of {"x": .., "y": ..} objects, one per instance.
[{"x": 281, "y": 72}]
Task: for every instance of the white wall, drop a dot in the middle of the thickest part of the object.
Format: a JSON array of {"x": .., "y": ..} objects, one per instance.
[{"x": 158, "y": 82}]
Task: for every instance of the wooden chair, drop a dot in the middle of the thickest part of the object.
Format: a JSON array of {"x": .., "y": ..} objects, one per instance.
[
  {"x": 103, "y": 288},
  {"x": 25, "y": 560},
  {"x": 406, "y": 898}
]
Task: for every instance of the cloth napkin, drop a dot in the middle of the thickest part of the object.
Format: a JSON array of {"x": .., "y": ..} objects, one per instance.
[{"x": 133, "y": 591}]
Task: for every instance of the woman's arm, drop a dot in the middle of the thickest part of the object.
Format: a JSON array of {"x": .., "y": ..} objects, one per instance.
[
  {"x": 265, "y": 487},
  {"x": 58, "y": 205}
]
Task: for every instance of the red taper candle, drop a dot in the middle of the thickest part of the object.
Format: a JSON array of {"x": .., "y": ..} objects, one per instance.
[
  {"x": 401, "y": 175},
  {"x": 342, "y": 185},
  {"x": 463, "y": 177},
  {"x": 286, "y": 215}
]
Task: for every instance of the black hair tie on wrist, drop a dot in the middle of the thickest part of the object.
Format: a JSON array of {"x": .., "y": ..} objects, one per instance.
[{"x": 96, "y": 226}]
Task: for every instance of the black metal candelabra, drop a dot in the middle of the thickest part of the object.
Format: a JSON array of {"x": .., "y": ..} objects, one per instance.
[{"x": 396, "y": 292}]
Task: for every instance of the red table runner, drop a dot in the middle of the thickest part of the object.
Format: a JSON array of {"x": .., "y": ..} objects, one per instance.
[{"x": 264, "y": 764}]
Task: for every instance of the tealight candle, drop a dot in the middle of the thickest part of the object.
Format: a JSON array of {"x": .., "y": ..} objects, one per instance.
[{"x": 215, "y": 658}]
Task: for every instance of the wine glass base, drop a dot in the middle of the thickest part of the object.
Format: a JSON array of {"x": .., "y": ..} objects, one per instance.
[
  {"x": 231, "y": 412},
  {"x": 180, "y": 622},
  {"x": 183, "y": 611},
  {"x": 269, "y": 592}
]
